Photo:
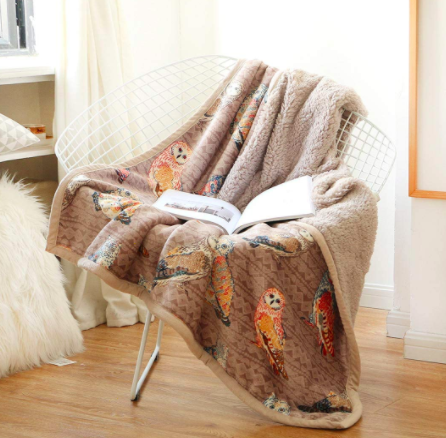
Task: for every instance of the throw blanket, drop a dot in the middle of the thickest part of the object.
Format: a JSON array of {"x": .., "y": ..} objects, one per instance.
[{"x": 270, "y": 310}]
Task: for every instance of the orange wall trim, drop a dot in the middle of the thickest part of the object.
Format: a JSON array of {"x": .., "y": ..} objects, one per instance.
[{"x": 413, "y": 110}]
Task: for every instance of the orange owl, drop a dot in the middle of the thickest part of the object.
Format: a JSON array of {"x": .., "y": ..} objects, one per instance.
[
  {"x": 166, "y": 169},
  {"x": 269, "y": 328},
  {"x": 323, "y": 314},
  {"x": 220, "y": 290}
]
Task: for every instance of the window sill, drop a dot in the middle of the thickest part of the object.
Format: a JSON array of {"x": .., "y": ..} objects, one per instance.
[{"x": 26, "y": 69}]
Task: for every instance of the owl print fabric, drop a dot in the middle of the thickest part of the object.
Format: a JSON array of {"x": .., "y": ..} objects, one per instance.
[
  {"x": 256, "y": 322},
  {"x": 165, "y": 171},
  {"x": 262, "y": 309}
]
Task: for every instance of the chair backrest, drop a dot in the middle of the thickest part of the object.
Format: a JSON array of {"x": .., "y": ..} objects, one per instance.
[
  {"x": 365, "y": 149},
  {"x": 141, "y": 113}
]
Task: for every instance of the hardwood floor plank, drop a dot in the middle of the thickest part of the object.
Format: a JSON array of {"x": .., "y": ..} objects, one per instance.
[{"x": 90, "y": 399}]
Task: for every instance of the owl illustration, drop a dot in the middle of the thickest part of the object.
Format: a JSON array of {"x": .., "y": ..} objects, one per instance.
[
  {"x": 219, "y": 352},
  {"x": 322, "y": 316},
  {"x": 119, "y": 204},
  {"x": 212, "y": 186},
  {"x": 209, "y": 256},
  {"x": 165, "y": 171},
  {"x": 284, "y": 245},
  {"x": 244, "y": 119},
  {"x": 72, "y": 187},
  {"x": 142, "y": 281},
  {"x": 185, "y": 263},
  {"x": 233, "y": 90},
  {"x": 195, "y": 261},
  {"x": 220, "y": 290},
  {"x": 305, "y": 239},
  {"x": 269, "y": 329},
  {"x": 123, "y": 174},
  {"x": 144, "y": 251},
  {"x": 107, "y": 253},
  {"x": 272, "y": 402},
  {"x": 210, "y": 113},
  {"x": 332, "y": 403}
]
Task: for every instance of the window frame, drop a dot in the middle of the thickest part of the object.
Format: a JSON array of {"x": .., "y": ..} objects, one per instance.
[{"x": 9, "y": 34}]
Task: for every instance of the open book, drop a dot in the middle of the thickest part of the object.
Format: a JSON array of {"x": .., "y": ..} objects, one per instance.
[{"x": 290, "y": 200}]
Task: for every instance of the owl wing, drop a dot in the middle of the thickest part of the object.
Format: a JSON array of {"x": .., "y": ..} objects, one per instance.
[
  {"x": 210, "y": 295},
  {"x": 183, "y": 264},
  {"x": 190, "y": 249},
  {"x": 271, "y": 344},
  {"x": 164, "y": 176},
  {"x": 194, "y": 262},
  {"x": 222, "y": 283},
  {"x": 325, "y": 316}
]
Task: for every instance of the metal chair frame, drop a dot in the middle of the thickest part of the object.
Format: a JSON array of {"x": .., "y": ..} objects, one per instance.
[{"x": 141, "y": 113}]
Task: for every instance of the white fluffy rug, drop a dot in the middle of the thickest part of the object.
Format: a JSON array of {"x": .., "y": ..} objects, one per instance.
[{"x": 36, "y": 324}]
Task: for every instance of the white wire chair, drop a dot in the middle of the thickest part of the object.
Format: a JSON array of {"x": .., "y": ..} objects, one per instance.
[
  {"x": 140, "y": 114},
  {"x": 365, "y": 149}
]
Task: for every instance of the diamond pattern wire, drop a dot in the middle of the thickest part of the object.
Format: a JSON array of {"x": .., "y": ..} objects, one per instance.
[
  {"x": 365, "y": 149},
  {"x": 140, "y": 114}
]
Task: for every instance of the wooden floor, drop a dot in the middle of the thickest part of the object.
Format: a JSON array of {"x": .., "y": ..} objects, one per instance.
[{"x": 401, "y": 398}]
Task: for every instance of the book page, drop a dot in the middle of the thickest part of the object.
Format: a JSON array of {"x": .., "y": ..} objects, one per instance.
[
  {"x": 188, "y": 206},
  {"x": 290, "y": 200}
]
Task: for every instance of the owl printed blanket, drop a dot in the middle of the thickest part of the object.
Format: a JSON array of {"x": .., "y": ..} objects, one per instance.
[{"x": 271, "y": 310}]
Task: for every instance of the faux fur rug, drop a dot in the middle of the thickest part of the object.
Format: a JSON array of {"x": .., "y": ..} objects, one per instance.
[{"x": 36, "y": 325}]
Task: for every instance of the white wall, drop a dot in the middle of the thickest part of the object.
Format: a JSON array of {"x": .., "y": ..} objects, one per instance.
[
  {"x": 166, "y": 31},
  {"x": 428, "y": 287},
  {"x": 154, "y": 31},
  {"x": 354, "y": 43},
  {"x": 428, "y": 261},
  {"x": 426, "y": 339},
  {"x": 398, "y": 320},
  {"x": 197, "y": 27}
]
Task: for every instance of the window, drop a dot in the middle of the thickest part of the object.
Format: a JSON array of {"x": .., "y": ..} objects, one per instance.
[{"x": 16, "y": 28}]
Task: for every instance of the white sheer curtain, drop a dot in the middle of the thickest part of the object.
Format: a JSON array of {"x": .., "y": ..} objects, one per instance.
[{"x": 94, "y": 59}]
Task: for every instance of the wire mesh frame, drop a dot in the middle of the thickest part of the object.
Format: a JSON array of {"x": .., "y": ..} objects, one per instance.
[
  {"x": 143, "y": 112},
  {"x": 365, "y": 149}
]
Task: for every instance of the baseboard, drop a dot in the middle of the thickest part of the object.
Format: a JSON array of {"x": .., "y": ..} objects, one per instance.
[
  {"x": 398, "y": 323},
  {"x": 427, "y": 347},
  {"x": 377, "y": 296}
]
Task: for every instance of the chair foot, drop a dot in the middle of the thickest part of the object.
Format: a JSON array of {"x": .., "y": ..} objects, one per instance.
[{"x": 138, "y": 381}]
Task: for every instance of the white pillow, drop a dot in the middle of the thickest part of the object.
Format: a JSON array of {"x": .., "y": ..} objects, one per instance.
[{"x": 14, "y": 136}]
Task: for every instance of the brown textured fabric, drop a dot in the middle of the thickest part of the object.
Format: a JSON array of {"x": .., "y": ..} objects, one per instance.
[{"x": 271, "y": 310}]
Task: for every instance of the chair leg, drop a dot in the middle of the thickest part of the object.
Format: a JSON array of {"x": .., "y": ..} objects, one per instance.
[{"x": 138, "y": 381}]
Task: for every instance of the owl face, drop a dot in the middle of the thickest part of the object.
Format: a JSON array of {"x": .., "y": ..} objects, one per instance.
[
  {"x": 181, "y": 152},
  {"x": 272, "y": 402},
  {"x": 282, "y": 407},
  {"x": 126, "y": 193},
  {"x": 274, "y": 299},
  {"x": 224, "y": 246},
  {"x": 306, "y": 235},
  {"x": 234, "y": 89}
]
